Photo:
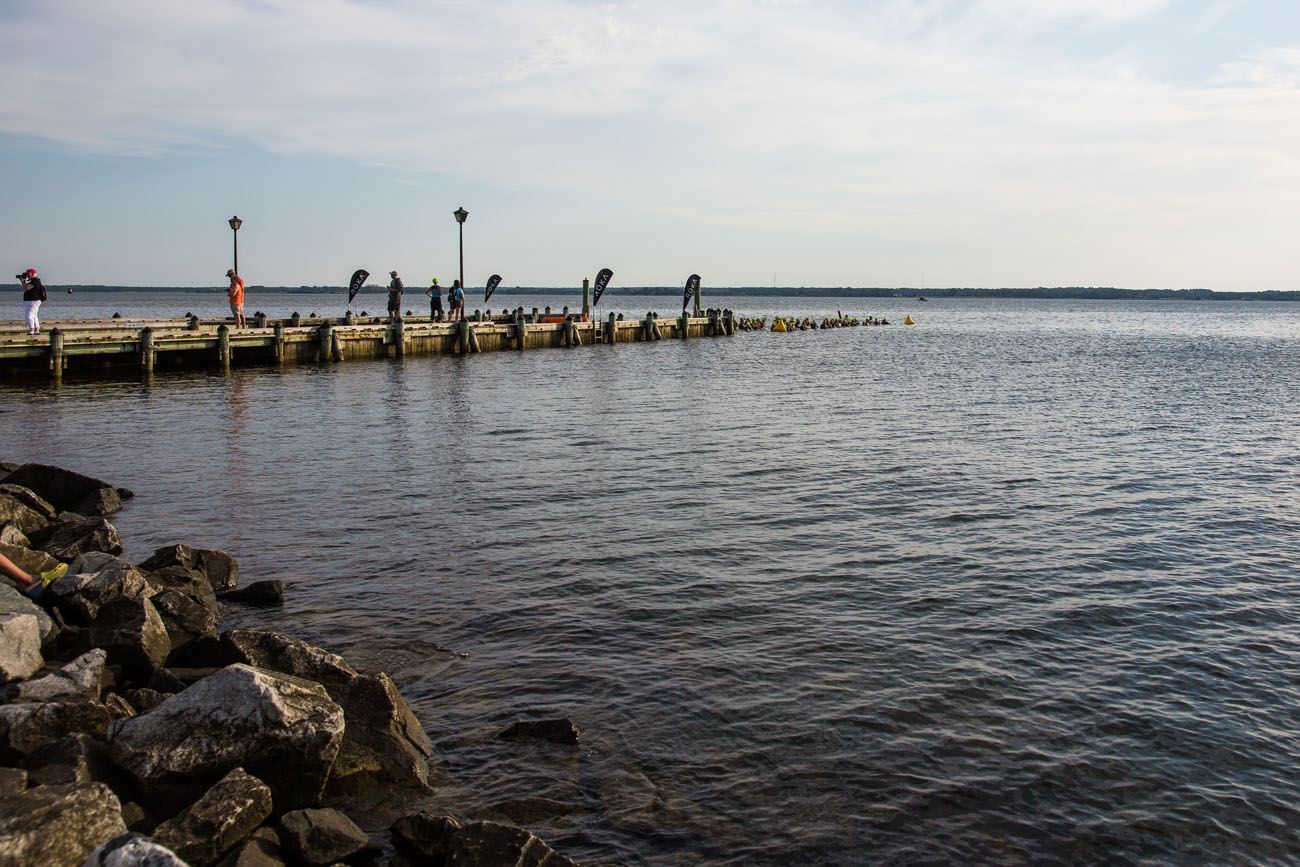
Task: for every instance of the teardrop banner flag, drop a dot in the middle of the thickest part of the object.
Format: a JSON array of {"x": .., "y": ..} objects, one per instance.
[
  {"x": 358, "y": 280},
  {"x": 692, "y": 283},
  {"x": 602, "y": 281},
  {"x": 493, "y": 282}
]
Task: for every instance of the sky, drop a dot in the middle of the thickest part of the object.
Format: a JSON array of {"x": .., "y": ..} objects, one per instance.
[{"x": 1133, "y": 143}]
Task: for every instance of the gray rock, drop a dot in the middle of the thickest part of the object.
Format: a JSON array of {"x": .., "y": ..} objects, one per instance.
[
  {"x": 218, "y": 567},
  {"x": 15, "y": 602},
  {"x": 190, "y": 582},
  {"x": 186, "y": 620},
  {"x": 83, "y": 678},
  {"x": 10, "y": 534},
  {"x": 283, "y": 730},
  {"x": 74, "y": 535},
  {"x": 30, "y": 499},
  {"x": 20, "y": 646},
  {"x": 66, "y": 490},
  {"x": 287, "y": 655},
  {"x": 321, "y": 837},
  {"x": 164, "y": 681},
  {"x": 555, "y": 731},
  {"x": 263, "y": 593},
  {"x": 12, "y": 781},
  {"x": 132, "y": 633},
  {"x": 260, "y": 850},
  {"x": 93, "y": 562},
  {"x": 217, "y": 822},
  {"x": 443, "y": 840},
  {"x": 76, "y": 758},
  {"x": 133, "y": 850},
  {"x": 24, "y": 517},
  {"x": 29, "y": 726},
  {"x": 118, "y": 707},
  {"x": 57, "y": 826},
  {"x": 145, "y": 699},
  {"x": 80, "y": 597},
  {"x": 104, "y": 501}
]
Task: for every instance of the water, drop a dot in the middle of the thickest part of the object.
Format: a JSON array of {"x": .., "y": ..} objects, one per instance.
[{"x": 1017, "y": 584}]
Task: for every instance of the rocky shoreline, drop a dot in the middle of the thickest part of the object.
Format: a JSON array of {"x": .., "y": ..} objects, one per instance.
[{"x": 134, "y": 731}]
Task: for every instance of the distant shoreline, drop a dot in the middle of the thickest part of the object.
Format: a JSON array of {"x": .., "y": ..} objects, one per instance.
[{"x": 1094, "y": 293}]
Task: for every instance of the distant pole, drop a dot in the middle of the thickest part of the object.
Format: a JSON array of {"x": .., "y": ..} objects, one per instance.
[
  {"x": 461, "y": 215},
  {"x": 235, "y": 223}
]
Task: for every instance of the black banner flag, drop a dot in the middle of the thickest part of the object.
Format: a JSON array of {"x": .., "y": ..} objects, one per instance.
[
  {"x": 602, "y": 281},
  {"x": 493, "y": 282},
  {"x": 692, "y": 284},
  {"x": 358, "y": 280}
]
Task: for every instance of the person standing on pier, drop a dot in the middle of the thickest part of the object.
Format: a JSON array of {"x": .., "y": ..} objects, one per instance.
[
  {"x": 456, "y": 299},
  {"x": 235, "y": 294},
  {"x": 395, "y": 288},
  {"x": 33, "y": 295},
  {"x": 435, "y": 301}
]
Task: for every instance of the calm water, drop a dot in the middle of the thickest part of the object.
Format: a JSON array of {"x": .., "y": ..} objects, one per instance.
[{"x": 1017, "y": 584}]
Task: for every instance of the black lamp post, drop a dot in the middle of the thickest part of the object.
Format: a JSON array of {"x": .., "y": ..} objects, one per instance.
[
  {"x": 235, "y": 223},
  {"x": 461, "y": 214}
]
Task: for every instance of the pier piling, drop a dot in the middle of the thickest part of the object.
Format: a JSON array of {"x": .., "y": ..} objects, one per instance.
[{"x": 223, "y": 344}]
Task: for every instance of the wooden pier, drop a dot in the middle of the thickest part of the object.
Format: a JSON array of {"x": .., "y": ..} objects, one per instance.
[{"x": 90, "y": 345}]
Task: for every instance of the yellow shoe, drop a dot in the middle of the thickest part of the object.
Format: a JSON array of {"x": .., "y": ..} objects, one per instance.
[{"x": 49, "y": 576}]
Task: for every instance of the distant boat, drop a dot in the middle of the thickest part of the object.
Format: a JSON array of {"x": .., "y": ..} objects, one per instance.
[
  {"x": 69, "y": 290},
  {"x": 920, "y": 298}
]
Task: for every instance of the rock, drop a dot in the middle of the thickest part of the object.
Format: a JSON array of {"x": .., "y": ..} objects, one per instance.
[
  {"x": 264, "y": 593},
  {"x": 83, "y": 678},
  {"x": 77, "y": 758},
  {"x": 218, "y": 567},
  {"x": 104, "y": 501},
  {"x": 118, "y": 707},
  {"x": 20, "y": 646},
  {"x": 260, "y": 850},
  {"x": 74, "y": 535},
  {"x": 145, "y": 699},
  {"x": 10, "y": 534},
  {"x": 276, "y": 652},
  {"x": 24, "y": 517},
  {"x": 191, "y": 582},
  {"x": 12, "y": 781},
  {"x": 15, "y": 602},
  {"x": 94, "y": 562},
  {"x": 136, "y": 818},
  {"x": 132, "y": 633},
  {"x": 444, "y": 840},
  {"x": 81, "y": 597},
  {"x": 31, "y": 561},
  {"x": 26, "y": 727},
  {"x": 283, "y": 730},
  {"x": 556, "y": 731},
  {"x": 133, "y": 850},
  {"x": 217, "y": 822},
  {"x": 30, "y": 499},
  {"x": 66, "y": 490},
  {"x": 54, "y": 826},
  {"x": 186, "y": 620},
  {"x": 321, "y": 837},
  {"x": 164, "y": 681}
]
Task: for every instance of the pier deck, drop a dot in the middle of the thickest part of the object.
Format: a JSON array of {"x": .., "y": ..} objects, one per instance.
[{"x": 149, "y": 344}]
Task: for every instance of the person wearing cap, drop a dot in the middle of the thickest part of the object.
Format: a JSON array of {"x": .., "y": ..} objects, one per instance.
[
  {"x": 435, "y": 301},
  {"x": 236, "y": 296},
  {"x": 33, "y": 295},
  {"x": 395, "y": 287}
]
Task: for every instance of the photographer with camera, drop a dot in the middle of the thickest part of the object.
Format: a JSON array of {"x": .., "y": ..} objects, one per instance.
[{"x": 33, "y": 295}]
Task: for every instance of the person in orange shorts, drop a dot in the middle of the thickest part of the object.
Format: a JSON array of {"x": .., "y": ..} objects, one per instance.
[
  {"x": 236, "y": 295},
  {"x": 31, "y": 585}
]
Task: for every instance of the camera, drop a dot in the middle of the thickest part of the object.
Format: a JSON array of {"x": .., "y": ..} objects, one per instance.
[{"x": 20, "y": 277}]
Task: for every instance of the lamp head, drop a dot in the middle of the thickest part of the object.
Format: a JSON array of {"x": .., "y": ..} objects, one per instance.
[
  {"x": 235, "y": 223},
  {"x": 460, "y": 214}
]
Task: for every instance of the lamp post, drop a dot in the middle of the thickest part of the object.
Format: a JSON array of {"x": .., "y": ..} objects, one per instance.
[
  {"x": 235, "y": 223},
  {"x": 461, "y": 214}
]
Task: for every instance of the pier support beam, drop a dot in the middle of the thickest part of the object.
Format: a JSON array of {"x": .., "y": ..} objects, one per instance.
[
  {"x": 399, "y": 338},
  {"x": 259, "y": 321},
  {"x": 682, "y": 322},
  {"x": 223, "y": 344},
  {"x": 462, "y": 337},
  {"x": 611, "y": 330},
  {"x": 521, "y": 331},
  {"x": 279, "y": 342},
  {"x": 146, "y": 349},
  {"x": 56, "y": 355},
  {"x": 324, "y": 341}
]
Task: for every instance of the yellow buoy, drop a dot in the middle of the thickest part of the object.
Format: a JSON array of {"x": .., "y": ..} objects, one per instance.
[
  {"x": 908, "y": 321},
  {"x": 779, "y": 325}
]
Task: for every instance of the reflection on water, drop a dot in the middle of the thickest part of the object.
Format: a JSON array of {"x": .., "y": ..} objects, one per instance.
[{"x": 1016, "y": 584}]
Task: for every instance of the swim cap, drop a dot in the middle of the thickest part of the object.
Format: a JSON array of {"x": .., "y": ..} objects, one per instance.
[
  {"x": 31, "y": 272},
  {"x": 435, "y": 279}
]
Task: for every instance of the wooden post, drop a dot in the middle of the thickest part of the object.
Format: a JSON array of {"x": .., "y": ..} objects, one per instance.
[
  {"x": 399, "y": 338},
  {"x": 336, "y": 347},
  {"x": 348, "y": 318},
  {"x": 681, "y": 324},
  {"x": 534, "y": 319},
  {"x": 325, "y": 341},
  {"x": 521, "y": 330},
  {"x": 586, "y": 297},
  {"x": 146, "y": 349},
  {"x": 259, "y": 321},
  {"x": 56, "y": 354},
  {"x": 279, "y": 342},
  {"x": 729, "y": 319},
  {"x": 611, "y": 330},
  {"x": 194, "y": 323},
  {"x": 462, "y": 337},
  {"x": 713, "y": 323},
  {"x": 223, "y": 344},
  {"x": 295, "y": 320},
  {"x": 473, "y": 340}
]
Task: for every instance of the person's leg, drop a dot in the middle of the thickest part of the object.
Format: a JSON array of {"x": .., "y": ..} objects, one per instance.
[{"x": 31, "y": 316}]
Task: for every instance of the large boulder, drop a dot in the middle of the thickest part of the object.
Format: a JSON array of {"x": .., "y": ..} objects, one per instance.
[
  {"x": 190, "y": 582},
  {"x": 283, "y": 730},
  {"x": 11, "y": 535},
  {"x": 66, "y": 490},
  {"x": 29, "y": 560},
  {"x": 444, "y": 840},
  {"x": 82, "y": 679},
  {"x": 57, "y": 826},
  {"x": 76, "y": 758},
  {"x": 20, "y": 646},
  {"x": 133, "y": 850},
  {"x": 223, "y": 818},
  {"x": 27, "y": 726},
  {"x": 130, "y": 629},
  {"x": 31, "y": 500},
  {"x": 260, "y": 850},
  {"x": 14, "y": 511},
  {"x": 266, "y": 594},
  {"x": 288, "y": 655},
  {"x": 73, "y": 535},
  {"x": 187, "y": 621},
  {"x": 321, "y": 837},
  {"x": 80, "y": 596},
  {"x": 13, "y": 601},
  {"x": 218, "y": 567}
]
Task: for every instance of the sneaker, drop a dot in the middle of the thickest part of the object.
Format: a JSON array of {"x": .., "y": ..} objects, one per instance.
[{"x": 49, "y": 576}]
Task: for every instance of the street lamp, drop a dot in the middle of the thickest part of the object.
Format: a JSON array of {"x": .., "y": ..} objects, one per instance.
[
  {"x": 461, "y": 215},
  {"x": 235, "y": 223}
]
